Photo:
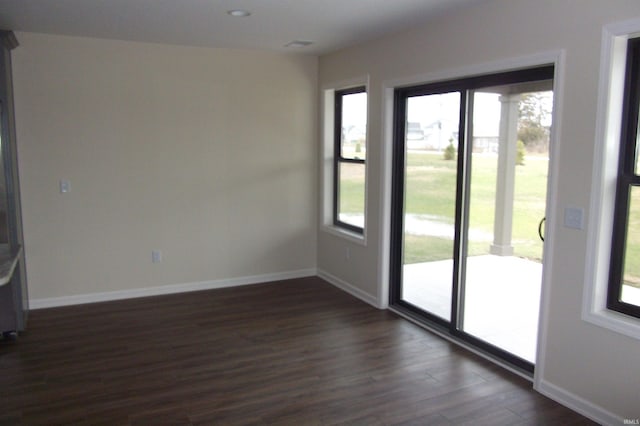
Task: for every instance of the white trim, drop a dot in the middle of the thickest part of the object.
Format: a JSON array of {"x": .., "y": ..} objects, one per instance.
[
  {"x": 327, "y": 96},
  {"x": 604, "y": 169},
  {"x": 347, "y": 83},
  {"x": 552, "y": 203},
  {"x": 578, "y": 404},
  {"x": 345, "y": 233},
  {"x": 555, "y": 57},
  {"x": 167, "y": 289},
  {"x": 349, "y": 288},
  {"x": 510, "y": 64},
  {"x": 386, "y": 169}
]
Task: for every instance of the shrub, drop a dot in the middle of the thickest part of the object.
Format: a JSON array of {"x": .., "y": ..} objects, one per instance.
[
  {"x": 449, "y": 151},
  {"x": 359, "y": 144},
  {"x": 520, "y": 154}
]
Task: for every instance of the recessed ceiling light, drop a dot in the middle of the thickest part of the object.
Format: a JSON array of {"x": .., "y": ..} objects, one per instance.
[
  {"x": 239, "y": 13},
  {"x": 299, "y": 43}
]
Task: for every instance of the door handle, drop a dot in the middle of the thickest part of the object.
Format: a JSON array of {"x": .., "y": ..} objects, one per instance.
[{"x": 540, "y": 228}]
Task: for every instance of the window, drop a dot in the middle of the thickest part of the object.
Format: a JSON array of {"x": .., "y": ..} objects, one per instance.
[
  {"x": 605, "y": 291},
  {"x": 350, "y": 152},
  {"x": 624, "y": 280}
]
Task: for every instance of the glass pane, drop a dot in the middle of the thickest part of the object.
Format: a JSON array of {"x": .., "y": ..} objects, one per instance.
[
  {"x": 4, "y": 228},
  {"x": 354, "y": 126},
  {"x": 351, "y": 194},
  {"x": 506, "y": 205},
  {"x": 631, "y": 280},
  {"x": 637, "y": 167},
  {"x": 429, "y": 201}
]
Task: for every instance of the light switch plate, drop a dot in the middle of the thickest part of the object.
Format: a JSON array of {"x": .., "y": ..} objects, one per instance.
[{"x": 574, "y": 218}]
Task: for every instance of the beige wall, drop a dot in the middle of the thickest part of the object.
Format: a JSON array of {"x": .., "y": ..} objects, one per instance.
[
  {"x": 590, "y": 367},
  {"x": 205, "y": 154}
]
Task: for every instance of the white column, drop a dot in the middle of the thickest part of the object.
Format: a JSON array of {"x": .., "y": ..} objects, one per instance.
[{"x": 505, "y": 182}]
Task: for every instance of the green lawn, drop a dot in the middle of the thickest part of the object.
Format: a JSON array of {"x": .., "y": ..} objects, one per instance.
[
  {"x": 632, "y": 255},
  {"x": 430, "y": 189},
  {"x": 430, "y": 184},
  {"x": 430, "y": 193}
]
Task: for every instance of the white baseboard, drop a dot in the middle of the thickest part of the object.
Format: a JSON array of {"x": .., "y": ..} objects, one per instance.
[
  {"x": 578, "y": 404},
  {"x": 167, "y": 289},
  {"x": 352, "y": 290}
]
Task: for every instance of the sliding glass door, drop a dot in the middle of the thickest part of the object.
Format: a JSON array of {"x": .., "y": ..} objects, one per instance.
[
  {"x": 469, "y": 195},
  {"x": 430, "y": 205}
]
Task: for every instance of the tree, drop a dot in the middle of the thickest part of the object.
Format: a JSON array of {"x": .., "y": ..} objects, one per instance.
[{"x": 534, "y": 120}]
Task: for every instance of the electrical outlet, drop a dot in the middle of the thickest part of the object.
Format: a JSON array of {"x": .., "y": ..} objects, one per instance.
[
  {"x": 156, "y": 256},
  {"x": 65, "y": 186}
]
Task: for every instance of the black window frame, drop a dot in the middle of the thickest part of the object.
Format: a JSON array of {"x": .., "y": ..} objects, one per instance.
[
  {"x": 627, "y": 178},
  {"x": 338, "y": 159}
]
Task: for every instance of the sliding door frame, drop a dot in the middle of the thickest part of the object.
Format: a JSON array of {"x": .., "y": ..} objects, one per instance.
[{"x": 466, "y": 87}]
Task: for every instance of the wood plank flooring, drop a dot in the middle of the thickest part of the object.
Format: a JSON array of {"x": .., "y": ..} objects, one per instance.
[{"x": 297, "y": 352}]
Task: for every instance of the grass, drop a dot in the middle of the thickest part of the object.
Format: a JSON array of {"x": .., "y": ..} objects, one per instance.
[
  {"x": 430, "y": 186},
  {"x": 430, "y": 190},
  {"x": 352, "y": 188},
  {"x": 632, "y": 254}
]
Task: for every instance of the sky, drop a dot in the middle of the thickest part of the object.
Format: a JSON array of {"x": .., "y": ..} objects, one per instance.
[{"x": 429, "y": 110}]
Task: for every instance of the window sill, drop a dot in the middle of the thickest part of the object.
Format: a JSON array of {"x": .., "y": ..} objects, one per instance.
[
  {"x": 346, "y": 234},
  {"x": 614, "y": 321}
]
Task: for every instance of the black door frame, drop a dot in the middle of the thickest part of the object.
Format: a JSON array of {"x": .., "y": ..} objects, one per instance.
[{"x": 464, "y": 86}]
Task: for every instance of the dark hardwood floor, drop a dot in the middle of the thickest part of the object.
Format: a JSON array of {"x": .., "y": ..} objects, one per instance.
[{"x": 297, "y": 352}]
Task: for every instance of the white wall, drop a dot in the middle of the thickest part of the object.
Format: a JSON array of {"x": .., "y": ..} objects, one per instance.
[
  {"x": 589, "y": 367},
  {"x": 205, "y": 154}
]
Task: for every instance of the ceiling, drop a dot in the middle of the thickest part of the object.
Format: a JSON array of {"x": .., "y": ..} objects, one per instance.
[{"x": 329, "y": 24}]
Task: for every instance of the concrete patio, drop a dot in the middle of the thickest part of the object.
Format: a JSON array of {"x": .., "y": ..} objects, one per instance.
[{"x": 502, "y": 299}]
